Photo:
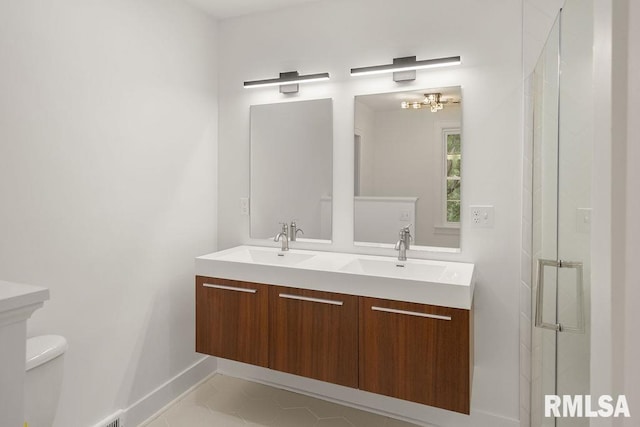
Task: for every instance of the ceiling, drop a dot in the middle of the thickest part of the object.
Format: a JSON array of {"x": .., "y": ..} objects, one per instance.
[{"x": 222, "y": 9}]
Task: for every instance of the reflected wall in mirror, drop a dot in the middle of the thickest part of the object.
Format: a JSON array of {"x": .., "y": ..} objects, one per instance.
[
  {"x": 407, "y": 166},
  {"x": 291, "y": 168}
]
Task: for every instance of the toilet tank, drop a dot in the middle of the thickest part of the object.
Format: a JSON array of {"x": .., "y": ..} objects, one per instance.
[{"x": 43, "y": 380}]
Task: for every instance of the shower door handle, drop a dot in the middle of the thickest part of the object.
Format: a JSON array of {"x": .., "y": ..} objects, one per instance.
[{"x": 540, "y": 323}]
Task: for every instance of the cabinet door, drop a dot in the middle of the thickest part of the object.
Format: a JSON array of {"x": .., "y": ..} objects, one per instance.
[
  {"x": 314, "y": 334},
  {"x": 416, "y": 352},
  {"x": 232, "y": 320}
]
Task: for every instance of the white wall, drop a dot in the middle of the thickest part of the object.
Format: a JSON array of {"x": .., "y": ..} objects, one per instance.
[
  {"x": 631, "y": 370},
  {"x": 108, "y": 185},
  {"x": 334, "y": 36}
]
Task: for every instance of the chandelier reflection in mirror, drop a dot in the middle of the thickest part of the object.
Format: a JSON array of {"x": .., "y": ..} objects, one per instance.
[{"x": 432, "y": 100}]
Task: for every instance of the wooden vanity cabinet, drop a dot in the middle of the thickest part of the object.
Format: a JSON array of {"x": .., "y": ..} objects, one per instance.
[
  {"x": 417, "y": 352},
  {"x": 232, "y": 320},
  {"x": 314, "y": 334}
]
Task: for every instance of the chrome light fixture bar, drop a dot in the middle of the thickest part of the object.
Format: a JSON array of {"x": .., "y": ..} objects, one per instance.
[
  {"x": 288, "y": 81},
  {"x": 404, "y": 64}
]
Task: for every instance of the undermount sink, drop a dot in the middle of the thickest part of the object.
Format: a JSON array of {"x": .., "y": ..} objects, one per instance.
[
  {"x": 443, "y": 283},
  {"x": 266, "y": 256},
  {"x": 411, "y": 269}
]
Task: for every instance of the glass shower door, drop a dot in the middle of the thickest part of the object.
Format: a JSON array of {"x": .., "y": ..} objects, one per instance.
[
  {"x": 546, "y": 93},
  {"x": 561, "y": 213}
]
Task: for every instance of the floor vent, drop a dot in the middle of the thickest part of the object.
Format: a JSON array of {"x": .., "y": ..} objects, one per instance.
[
  {"x": 113, "y": 420},
  {"x": 114, "y": 423}
]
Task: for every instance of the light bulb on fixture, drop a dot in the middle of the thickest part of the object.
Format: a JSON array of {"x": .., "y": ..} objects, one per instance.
[
  {"x": 411, "y": 105},
  {"x": 288, "y": 81},
  {"x": 431, "y": 100},
  {"x": 404, "y": 68}
]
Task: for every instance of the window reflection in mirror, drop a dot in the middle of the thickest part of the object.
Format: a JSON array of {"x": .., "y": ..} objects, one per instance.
[
  {"x": 291, "y": 168},
  {"x": 408, "y": 158}
]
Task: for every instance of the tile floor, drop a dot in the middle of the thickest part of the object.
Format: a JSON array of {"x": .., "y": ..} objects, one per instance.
[{"x": 224, "y": 401}]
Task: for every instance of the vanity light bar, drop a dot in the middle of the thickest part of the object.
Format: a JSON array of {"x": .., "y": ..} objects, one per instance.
[
  {"x": 408, "y": 63},
  {"x": 286, "y": 79}
]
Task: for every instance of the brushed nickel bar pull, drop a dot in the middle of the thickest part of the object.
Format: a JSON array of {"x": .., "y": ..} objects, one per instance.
[
  {"x": 542, "y": 263},
  {"x": 579, "y": 328},
  {"x": 540, "y": 323},
  {"x": 230, "y": 288},
  {"x": 319, "y": 300},
  {"x": 410, "y": 313}
]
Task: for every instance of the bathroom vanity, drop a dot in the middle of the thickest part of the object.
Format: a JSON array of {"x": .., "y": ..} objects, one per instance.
[{"x": 401, "y": 329}]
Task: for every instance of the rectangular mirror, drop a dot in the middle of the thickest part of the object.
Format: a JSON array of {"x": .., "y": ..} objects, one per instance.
[
  {"x": 291, "y": 168},
  {"x": 407, "y": 167}
]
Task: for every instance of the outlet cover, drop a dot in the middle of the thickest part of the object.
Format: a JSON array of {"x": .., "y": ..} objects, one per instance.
[
  {"x": 481, "y": 216},
  {"x": 244, "y": 206}
]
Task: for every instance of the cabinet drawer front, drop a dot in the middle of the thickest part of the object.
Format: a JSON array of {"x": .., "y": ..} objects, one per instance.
[
  {"x": 415, "y": 352},
  {"x": 314, "y": 334},
  {"x": 232, "y": 320}
]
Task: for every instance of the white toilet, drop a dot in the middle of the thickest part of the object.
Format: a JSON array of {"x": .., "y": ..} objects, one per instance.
[{"x": 43, "y": 380}]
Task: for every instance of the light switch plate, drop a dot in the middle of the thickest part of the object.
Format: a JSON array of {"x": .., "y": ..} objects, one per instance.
[
  {"x": 482, "y": 216},
  {"x": 583, "y": 220}
]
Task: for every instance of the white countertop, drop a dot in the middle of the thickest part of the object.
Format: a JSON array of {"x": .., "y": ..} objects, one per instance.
[{"x": 448, "y": 284}]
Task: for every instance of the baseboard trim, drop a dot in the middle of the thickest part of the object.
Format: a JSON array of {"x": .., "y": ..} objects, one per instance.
[
  {"x": 394, "y": 408},
  {"x": 156, "y": 401}
]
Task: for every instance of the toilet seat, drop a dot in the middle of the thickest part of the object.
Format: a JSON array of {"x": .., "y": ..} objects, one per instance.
[{"x": 44, "y": 348}]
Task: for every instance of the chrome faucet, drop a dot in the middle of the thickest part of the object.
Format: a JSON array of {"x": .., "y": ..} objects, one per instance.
[
  {"x": 283, "y": 236},
  {"x": 293, "y": 231},
  {"x": 404, "y": 242}
]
